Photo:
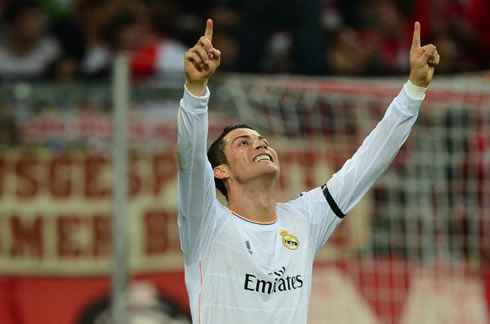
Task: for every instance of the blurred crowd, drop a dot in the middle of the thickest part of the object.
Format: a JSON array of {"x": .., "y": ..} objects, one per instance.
[{"x": 76, "y": 39}]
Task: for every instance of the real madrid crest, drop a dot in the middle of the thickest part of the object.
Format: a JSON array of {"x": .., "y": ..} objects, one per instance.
[{"x": 289, "y": 240}]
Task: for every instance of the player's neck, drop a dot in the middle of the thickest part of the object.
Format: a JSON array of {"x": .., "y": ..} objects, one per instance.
[{"x": 252, "y": 202}]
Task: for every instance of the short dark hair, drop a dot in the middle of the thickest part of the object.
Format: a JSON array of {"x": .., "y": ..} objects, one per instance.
[{"x": 217, "y": 156}]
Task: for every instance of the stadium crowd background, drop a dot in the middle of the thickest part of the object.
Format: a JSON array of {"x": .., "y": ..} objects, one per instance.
[{"x": 76, "y": 39}]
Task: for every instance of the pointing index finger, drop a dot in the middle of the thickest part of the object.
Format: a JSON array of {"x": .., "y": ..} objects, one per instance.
[
  {"x": 416, "y": 35},
  {"x": 209, "y": 30}
]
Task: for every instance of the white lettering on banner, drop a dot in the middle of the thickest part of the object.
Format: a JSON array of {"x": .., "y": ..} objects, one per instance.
[
  {"x": 55, "y": 209},
  {"x": 55, "y": 212}
]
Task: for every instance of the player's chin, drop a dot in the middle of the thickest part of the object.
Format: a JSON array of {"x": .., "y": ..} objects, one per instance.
[{"x": 269, "y": 168}]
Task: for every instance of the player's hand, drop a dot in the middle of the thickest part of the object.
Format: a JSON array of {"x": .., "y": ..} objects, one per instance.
[
  {"x": 201, "y": 61},
  {"x": 422, "y": 60}
]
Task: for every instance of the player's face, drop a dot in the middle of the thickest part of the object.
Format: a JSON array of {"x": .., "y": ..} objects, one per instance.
[{"x": 249, "y": 155}]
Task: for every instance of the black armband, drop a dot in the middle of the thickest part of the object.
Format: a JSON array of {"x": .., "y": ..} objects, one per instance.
[{"x": 332, "y": 202}]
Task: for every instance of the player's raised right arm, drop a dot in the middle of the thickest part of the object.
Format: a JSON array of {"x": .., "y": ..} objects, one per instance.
[
  {"x": 197, "y": 196},
  {"x": 201, "y": 61}
]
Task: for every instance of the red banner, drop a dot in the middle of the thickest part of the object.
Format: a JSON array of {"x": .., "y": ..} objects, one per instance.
[{"x": 383, "y": 291}]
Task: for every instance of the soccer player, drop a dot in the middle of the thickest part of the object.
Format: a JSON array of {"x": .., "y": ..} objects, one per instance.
[{"x": 251, "y": 261}]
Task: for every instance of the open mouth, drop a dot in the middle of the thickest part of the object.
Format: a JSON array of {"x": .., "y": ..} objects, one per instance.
[{"x": 263, "y": 157}]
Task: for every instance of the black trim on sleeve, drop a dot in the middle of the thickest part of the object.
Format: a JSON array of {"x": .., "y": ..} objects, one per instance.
[{"x": 332, "y": 202}]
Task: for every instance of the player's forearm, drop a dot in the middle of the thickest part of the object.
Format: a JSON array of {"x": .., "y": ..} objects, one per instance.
[
  {"x": 194, "y": 169},
  {"x": 376, "y": 153},
  {"x": 192, "y": 126}
]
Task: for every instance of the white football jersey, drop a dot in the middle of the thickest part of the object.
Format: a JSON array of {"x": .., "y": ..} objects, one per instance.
[{"x": 238, "y": 270}]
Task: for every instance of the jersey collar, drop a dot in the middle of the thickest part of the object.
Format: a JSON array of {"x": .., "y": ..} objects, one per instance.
[{"x": 254, "y": 221}]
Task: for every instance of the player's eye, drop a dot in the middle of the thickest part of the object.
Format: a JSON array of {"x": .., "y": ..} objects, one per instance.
[{"x": 243, "y": 142}]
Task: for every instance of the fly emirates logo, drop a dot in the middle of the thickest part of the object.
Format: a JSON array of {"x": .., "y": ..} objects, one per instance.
[{"x": 273, "y": 285}]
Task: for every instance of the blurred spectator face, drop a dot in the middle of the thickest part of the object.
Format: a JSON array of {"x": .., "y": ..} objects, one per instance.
[
  {"x": 448, "y": 50},
  {"x": 390, "y": 19},
  {"x": 29, "y": 51},
  {"x": 127, "y": 30},
  {"x": 28, "y": 26},
  {"x": 346, "y": 56},
  {"x": 129, "y": 37},
  {"x": 229, "y": 50}
]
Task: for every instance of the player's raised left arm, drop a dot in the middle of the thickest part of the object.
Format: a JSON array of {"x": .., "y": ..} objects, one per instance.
[
  {"x": 380, "y": 147},
  {"x": 423, "y": 59}
]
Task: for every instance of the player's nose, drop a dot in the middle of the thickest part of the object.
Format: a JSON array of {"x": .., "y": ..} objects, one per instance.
[{"x": 260, "y": 144}]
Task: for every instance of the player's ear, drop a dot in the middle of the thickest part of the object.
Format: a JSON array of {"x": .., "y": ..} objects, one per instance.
[{"x": 221, "y": 172}]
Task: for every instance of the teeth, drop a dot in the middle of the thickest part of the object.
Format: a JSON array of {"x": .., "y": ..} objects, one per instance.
[{"x": 262, "y": 157}]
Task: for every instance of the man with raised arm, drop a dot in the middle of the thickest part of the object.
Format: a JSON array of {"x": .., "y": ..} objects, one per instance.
[{"x": 251, "y": 261}]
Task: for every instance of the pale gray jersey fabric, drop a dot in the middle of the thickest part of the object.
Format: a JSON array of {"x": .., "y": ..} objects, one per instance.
[{"x": 241, "y": 271}]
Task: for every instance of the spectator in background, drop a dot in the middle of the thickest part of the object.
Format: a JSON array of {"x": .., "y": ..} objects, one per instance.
[
  {"x": 356, "y": 37},
  {"x": 370, "y": 37},
  {"x": 145, "y": 31},
  {"x": 93, "y": 17},
  {"x": 65, "y": 27},
  {"x": 345, "y": 58},
  {"x": 301, "y": 19},
  {"x": 225, "y": 36},
  {"x": 461, "y": 26},
  {"x": 392, "y": 34},
  {"x": 159, "y": 53},
  {"x": 27, "y": 51}
]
